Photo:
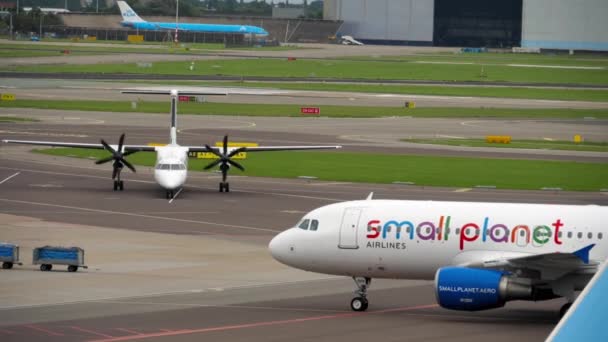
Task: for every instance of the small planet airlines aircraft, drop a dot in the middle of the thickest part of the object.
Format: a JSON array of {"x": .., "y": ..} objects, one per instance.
[
  {"x": 481, "y": 255},
  {"x": 171, "y": 166}
]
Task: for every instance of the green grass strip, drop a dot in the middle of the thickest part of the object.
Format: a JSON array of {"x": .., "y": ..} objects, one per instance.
[
  {"x": 213, "y": 108},
  {"x": 385, "y": 168},
  {"x": 375, "y": 70},
  {"x": 530, "y": 144}
]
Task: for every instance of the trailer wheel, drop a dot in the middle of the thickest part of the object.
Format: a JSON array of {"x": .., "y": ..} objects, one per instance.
[
  {"x": 46, "y": 267},
  {"x": 72, "y": 268},
  {"x": 7, "y": 265}
]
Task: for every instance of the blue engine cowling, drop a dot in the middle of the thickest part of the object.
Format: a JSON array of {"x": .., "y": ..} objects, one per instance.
[{"x": 471, "y": 289}]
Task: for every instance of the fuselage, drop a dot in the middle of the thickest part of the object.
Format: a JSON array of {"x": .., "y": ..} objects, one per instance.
[
  {"x": 412, "y": 239},
  {"x": 194, "y": 27},
  {"x": 171, "y": 167}
]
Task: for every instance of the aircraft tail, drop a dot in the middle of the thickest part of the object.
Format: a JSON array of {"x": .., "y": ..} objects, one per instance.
[
  {"x": 128, "y": 14},
  {"x": 175, "y": 94},
  {"x": 173, "y": 133}
]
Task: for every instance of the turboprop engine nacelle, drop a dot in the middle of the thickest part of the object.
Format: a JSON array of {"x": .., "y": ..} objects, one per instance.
[{"x": 471, "y": 289}]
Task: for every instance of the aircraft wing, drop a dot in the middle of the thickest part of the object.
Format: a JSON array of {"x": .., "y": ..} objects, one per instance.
[
  {"x": 548, "y": 266},
  {"x": 586, "y": 319},
  {"x": 99, "y": 146},
  {"x": 262, "y": 148}
]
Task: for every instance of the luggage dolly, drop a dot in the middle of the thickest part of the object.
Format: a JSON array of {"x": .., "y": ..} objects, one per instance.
[
  {"x": 9, "y": 255},
  {"x": 48, "y": 256}
]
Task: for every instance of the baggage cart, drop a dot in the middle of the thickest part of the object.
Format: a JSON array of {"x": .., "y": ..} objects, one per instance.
[
  {"x": 48, "y": 256},
  {"x": 9, "y": 255}
]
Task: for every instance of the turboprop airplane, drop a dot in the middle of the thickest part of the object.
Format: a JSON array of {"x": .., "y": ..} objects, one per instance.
[
  {"x": 171, "y": 167},
  {"x": 481, "y": 255},
  {"x": 132, "y": 20}
]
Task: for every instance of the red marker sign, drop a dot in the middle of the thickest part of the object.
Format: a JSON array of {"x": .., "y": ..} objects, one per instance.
[{"x": 310, "y": 110}]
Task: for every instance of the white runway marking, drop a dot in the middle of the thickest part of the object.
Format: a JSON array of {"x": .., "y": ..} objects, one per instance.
[
  {"x": 9, "y": 177},
  {"x": 176, "y": 194}
]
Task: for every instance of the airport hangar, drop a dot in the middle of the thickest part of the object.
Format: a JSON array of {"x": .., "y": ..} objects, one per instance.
[{"x": 534, "y": 24}]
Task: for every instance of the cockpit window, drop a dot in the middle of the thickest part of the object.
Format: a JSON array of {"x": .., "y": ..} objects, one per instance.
[
  {"x": 304, "y": 224},
  {"x": 314, "y": 225},
  {"x": 170, "y": 167}
]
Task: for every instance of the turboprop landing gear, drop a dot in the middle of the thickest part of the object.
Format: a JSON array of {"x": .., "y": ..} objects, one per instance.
[
  {"x": 224, "y": 187},
  {"x": 360, "y": 302},
  {"x": 119, "y": 185},
  {"x": 170, "y": 194}
]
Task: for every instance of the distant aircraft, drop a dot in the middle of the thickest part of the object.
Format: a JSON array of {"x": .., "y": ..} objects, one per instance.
[
  {"x": 171, "y": 166},
  {"x": 131, "y": 19},
  {"x": 349, "y": 40},
  {"x": 481, "y": 255}
]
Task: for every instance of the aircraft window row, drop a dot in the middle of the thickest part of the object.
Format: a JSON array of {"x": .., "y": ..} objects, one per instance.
[
  {"x": 170, "y": 167},
  {"x": 309, "y": 225},
  {"x": 469, "y": 231}
]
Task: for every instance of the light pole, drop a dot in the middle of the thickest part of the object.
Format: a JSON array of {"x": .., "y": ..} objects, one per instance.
[
  {"x": 176, "y": 20},
  {"x": 40, "y": 35}
]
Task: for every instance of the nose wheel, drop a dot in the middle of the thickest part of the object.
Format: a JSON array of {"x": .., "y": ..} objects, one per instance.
[
  {"x": 170, "y": 194},
  {"x": 360, "y": 303},
  {"x": 224, "y": 187}
]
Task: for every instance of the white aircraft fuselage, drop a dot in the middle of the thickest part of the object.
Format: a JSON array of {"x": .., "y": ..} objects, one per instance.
[
  {"x": 550, "y": 248},
  {"x": 171, "y": 167}
]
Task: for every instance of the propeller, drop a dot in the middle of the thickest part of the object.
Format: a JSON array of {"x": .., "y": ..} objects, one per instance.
[
  {"x": 117, "y": 156},
  {"x": 224, "y": 158}
]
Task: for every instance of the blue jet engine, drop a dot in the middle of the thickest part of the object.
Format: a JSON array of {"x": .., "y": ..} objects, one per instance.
[{"x": 471, "y": 289}]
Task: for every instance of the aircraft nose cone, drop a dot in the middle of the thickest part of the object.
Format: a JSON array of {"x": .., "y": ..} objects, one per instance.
[{"x": 279, "y": 248}]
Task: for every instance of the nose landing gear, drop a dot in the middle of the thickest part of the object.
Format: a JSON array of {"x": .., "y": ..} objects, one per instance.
[{"x": 360, "y": 303}]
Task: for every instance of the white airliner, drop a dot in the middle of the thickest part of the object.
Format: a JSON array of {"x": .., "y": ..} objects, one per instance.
[
  {"x": 171, "y": 166},
  {"x": 480, "y": 255}
]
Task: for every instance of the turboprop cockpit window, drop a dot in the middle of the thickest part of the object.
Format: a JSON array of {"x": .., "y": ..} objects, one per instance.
[
  {"x": 163, "y": 167},
  {"x": 314, "y": 225},
  {"x": 178, "y": 167},
  {"x": 304, "y": 224}
]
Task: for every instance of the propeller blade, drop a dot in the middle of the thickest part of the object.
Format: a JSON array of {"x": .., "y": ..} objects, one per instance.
[
  {"x": 213, "y": 151},
  {"x": 213, "y": 164},
  {"x": 127, "y": 164},
  {"x": 104, "y": 160},
  {"x": 225, "y": 144},
  {"x": 128, "y": 153},
  {"x": 107, "y": 147},
  {"x": 237, "y": 151},
  {"x": 120, "y": 142},
  {"x": 235, "y": 164}
]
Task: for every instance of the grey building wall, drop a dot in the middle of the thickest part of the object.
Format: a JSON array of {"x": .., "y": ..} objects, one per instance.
[
  {"x": 384, "y": 20},
  {"x": 288, "y": 12},
  {"x": 565, "y": 24}
]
